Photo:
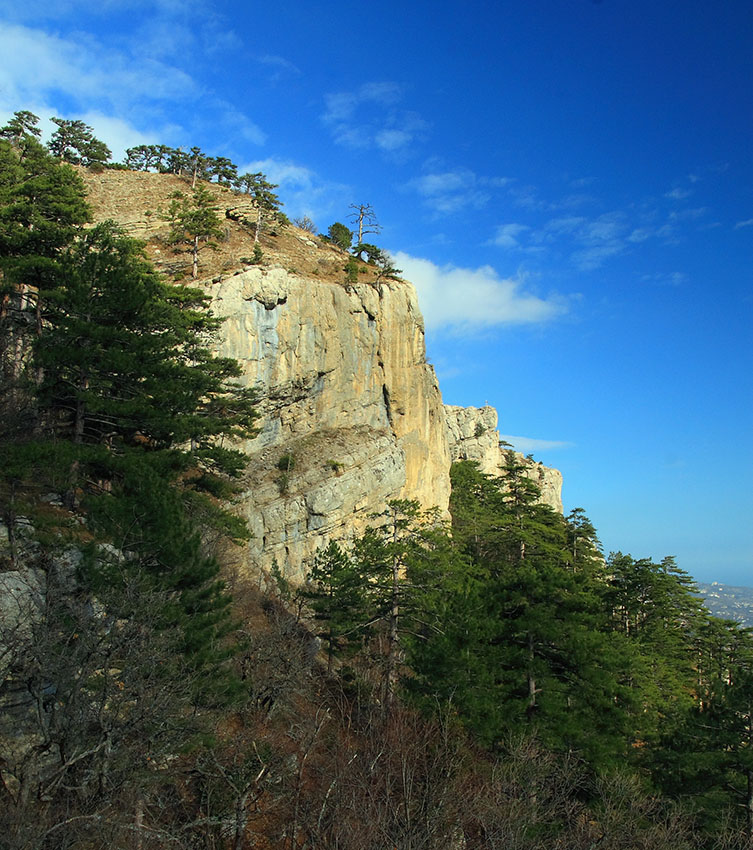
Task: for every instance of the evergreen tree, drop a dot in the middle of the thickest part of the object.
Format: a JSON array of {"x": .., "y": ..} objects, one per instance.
[
  {"x": 193, "y": 220},
  {"x": 75, "y": 142},
  {"x": 147, "y": 157},
  {"x": 534, "y": 653},
  {"x": 706, "y": 754},
  {"x": 386, "y": 593},
  {"x": 340, "y": 235},
  {"x": 655, "y": 610},
  {"x": 23, "y": 123},
  {"x": 336, "y": 592},
  {"x": 21, "y": 130},
  {"x": 267, "y": 203}
]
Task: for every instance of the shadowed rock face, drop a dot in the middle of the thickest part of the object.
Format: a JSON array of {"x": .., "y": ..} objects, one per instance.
[{"x": 351, "y": 413}]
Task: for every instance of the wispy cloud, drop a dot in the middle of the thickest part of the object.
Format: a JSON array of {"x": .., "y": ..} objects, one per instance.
[
  {"x": 467, "y": 299},
  {"x": 302, "y": 190},
  {"x": 665, "y": 278},
  {"x": 507, "y": 235},
  {"x": 278, "y": 67},
  {"x": 678, "y": 194},
  {"x": 530, "y": 444},
  {"x": 124, "y": 92},
  {"x": 747, "y": 223},
  {"x": 590, "y": 241},
  {"x": 447, "y": 192},
  {"x": 37, "y": 66},
  {"x": 370, "y": 117}
]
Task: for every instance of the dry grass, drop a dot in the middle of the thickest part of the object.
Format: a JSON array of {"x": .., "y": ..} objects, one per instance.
[{"x": 137, "y": 201}]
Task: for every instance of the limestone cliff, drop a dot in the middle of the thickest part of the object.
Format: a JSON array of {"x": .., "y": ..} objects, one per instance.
[
  {"x": 346, "y": 395},
  {"x": 351, "y": 413},
  {"x": 472, "y": 435}
]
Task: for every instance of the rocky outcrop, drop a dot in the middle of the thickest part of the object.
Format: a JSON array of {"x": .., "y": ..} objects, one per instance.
[
  {"x": 472, "y": 435},
  {"x": 351, "y": 413}
]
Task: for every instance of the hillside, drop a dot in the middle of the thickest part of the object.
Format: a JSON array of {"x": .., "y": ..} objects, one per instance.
[
  {"x": 339, "y": 367},
  {"x": 409, "y": 651}
]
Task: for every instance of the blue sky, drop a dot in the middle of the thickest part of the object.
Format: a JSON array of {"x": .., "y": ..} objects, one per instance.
[{"x": 569, "y": 184}]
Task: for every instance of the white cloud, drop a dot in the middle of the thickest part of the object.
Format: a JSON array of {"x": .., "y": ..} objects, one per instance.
[
  {"x": 678, "y": 194},
  {"x": 507, "y": 235},
  {"x": 390, "y": 140},
  {"x": 688, "y": 214},
  {"x": 302, "y": 190},
  {"x": 468, "y": 299},
  {"x": 122, "y": 94},
  {"x": 530, "y": 444},
  {"x": 447, "y": 192},
  {"x": 747, "y": 223},
  {"x": 39, "y": 67},
  {"x": 278, "y": 66},
  {"x": 118, "y": 134},
  {"x": 665, "y": 278},
  {"x": 370, "y": 118}
]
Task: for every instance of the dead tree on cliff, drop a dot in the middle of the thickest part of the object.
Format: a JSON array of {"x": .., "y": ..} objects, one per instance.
[{"x": 364, "y": 217}]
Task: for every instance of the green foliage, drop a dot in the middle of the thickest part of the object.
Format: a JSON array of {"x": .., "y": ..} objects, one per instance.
[
  {"x": 21, "y": 130},
  {"x": 192, "y": 221},
  {"x": 351, "y": 270},
  {"x": 125, "y": 358},
  {"x": 267, "y": 203},
  {"x": 377, "y": 257},
  {"x": 42, "y": 205},
  {"x": 523, "y": 646},
  {"x": 373, "y": 254},
  {"x": 256, "y": 258},
  {"x": 340, "y": 235},
  {"x": 75, "y": 142},
  {"x": 129, "y": 407},
  {"x": 286, "y": 462}
]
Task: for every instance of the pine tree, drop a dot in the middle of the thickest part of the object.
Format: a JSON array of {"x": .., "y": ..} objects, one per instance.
[
  {"x": 534, "y": 651},
  {"x": 336, "y": 592},
  {"x": 192, "y": 221},
  {"x": 267, "y": 203},
  {"x": 75, "y": 142},
  {"x": 654, "y": 609}
]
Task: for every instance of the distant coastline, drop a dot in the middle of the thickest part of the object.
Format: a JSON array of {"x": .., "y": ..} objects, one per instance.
[{"x": 728, "y": 602}]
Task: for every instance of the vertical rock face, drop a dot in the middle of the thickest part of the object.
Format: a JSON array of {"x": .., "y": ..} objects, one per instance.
[
  {"x": 472, "y": 435},
  {"x": 351, "y": 413}
]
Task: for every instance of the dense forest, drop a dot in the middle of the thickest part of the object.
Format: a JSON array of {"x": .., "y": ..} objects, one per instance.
[{"x": 492, "y": 682}]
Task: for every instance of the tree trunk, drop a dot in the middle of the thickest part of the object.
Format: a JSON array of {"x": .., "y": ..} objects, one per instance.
[
  {"x": 258, "y": 225},
  {"x": 195, "y": 257},
  {"x": 138, "y": 822},
  {"x": 241, "y": 818},
  {"x": 532, "y": 689},
  {"x": 393, "y": 646}
]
